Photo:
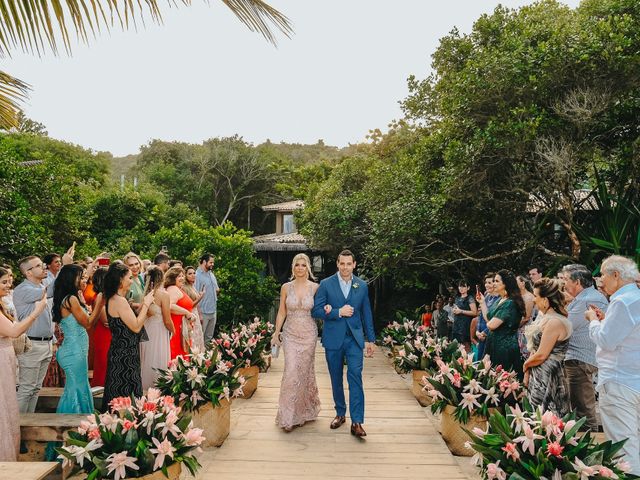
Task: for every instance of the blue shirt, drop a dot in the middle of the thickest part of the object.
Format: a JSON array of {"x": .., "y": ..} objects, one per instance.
[
  {"x": 25, "y": 297},
  {"x": 345, "y": 286},
  {"x": 617, "y": 339},
  {"x": 489, "y": 300},
  {"x": 581, "y": 347},
  {"x": 208, "y": 280}
]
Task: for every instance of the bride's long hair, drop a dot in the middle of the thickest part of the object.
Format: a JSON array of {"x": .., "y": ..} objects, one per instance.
[{"x": 302, "y": 256}]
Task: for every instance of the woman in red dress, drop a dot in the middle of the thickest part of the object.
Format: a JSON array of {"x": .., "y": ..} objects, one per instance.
[
  {"x": 101, "y": 335},
  {"x": 181, "y": 306}
]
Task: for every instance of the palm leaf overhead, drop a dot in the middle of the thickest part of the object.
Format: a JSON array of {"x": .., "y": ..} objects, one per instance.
[{"x": 35, "y": 26}]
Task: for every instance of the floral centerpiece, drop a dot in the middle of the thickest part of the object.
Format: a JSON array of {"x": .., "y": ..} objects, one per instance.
[
  {"x": 396, "y": 333},
  {"x": 137, "y": 437},
  {"x": 421, "y": 352},
  {"x": 532, "y": 444},
  {"x": 473, "y": 388},
  {"x": 200, "y": 378},
  {"x": 204, "y": 383}
]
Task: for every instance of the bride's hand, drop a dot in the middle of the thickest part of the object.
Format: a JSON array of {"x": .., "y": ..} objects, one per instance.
[
  {"x": 327, "y": 309},
  {"x": 276, "y": 340}
]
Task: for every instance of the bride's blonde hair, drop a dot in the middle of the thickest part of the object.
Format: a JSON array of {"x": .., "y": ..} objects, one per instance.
[{"x": 302, "y": 256}]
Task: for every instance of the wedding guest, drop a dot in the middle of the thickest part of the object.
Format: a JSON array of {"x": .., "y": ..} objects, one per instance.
[
  {"x": 463, "y": 311},
  {"x": 34, "y": 363},
  {"x": 482, "y": 331},
  {"x": 123, "y": 363},
  {"x": 53, "y": 263},
  {"x": 580, "y": 360},
  {"x": 449, "y": 309},
  {"x": 161, "y": 261},
  {"x": 617, "y": 337},
  {"x": 181, "y": 309},
  {"x": 441, "y": 320},
  {"x": 101, "y": 334},
  {"x": 427, "y": 317},
  {"x": 547, "y": 342},
  {"x": 146, "y": 263},
  {"x": 136, "y": 291},
  {"x": 535, "y": 274},
  {"x": 196, "y": 332},
  {"x": 526, "y": 291},
  {"x": 175, "y": 263},
  {"x": 503, "y": 321},
  {"x": 299, "y": 400},
  {"x": 9, "y": 329},
  {"x": 156, "y": 353},
  {"x": 206, "y": 281}
]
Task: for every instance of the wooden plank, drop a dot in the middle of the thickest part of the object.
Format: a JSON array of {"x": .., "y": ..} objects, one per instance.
[
  {"x": 48, "y": 427},
  {"x": 30, "y": 470}
]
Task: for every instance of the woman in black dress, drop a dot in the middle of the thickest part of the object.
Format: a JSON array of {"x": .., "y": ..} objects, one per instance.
[{"x": 123, "y": 361}]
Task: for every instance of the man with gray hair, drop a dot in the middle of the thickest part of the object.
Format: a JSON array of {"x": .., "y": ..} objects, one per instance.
[
  {"x": 580, "y": 359},
  {"x": 617, "y": 337}
]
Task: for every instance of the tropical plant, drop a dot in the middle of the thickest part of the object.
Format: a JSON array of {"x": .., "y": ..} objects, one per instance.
[
  {"x": 472, "y": 388},
  {"x": 38, "y": 26},
  {"x": 200, "y": 378},
  {"x": 138, "y": 436},
  {"x": 421, "y": 353},
  {"x": 531, "y": 445},
  {"x": 397, "y": 333}
]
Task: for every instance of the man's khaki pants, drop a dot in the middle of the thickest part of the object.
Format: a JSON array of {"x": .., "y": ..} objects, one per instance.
[{"x": 579, "y": 380}]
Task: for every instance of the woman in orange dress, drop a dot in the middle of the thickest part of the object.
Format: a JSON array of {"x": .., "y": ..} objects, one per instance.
[
  {"x": 181, "y": 307},
  {"x": 101, "y": 335}
]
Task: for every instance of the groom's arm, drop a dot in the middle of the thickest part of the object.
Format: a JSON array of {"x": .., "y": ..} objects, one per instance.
[
  {"x": 367, "y": 318},
  {"x": 319, "y": 303}
]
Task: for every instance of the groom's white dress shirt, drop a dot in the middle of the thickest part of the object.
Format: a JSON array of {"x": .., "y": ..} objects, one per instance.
[{"x": 345, "y": 286}]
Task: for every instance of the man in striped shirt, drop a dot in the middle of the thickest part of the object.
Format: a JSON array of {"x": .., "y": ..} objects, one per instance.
[{"x": 580, "y": 359}]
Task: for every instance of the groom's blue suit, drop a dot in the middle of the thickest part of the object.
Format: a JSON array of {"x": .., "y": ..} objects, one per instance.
[{"x": 344, "y": 337}]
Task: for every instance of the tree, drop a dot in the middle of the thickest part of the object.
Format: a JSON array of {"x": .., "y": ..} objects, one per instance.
[{"x": 39, "y": 26}]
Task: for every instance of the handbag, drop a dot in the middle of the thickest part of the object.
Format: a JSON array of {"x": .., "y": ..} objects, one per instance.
[{"x": 22, "y": 344}]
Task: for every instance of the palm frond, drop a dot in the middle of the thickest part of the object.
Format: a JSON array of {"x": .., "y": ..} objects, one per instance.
[
  {"x": 35, "y": 25},
  {"x": 12, "y": 91}
]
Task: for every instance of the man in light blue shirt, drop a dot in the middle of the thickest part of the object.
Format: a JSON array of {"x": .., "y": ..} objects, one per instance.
[
  {"x": 206, "y": 281},
  {"x": 34, "y": 363},
  {"x": 617, "y": 338},
  {"x": 580, "y": 360}
]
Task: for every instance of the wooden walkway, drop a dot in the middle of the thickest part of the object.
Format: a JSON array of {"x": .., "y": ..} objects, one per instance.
[{"x": 401, "y": 442}]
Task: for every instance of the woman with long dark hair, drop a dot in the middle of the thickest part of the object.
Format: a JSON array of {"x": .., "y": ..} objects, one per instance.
[
  {"x": 548, "y": 340},
  {"x": 503, "y": 320},
  {"x": 101, "y": 333},
  {"x": 123, "y": 361},
  {"x": 70, "y": 311}
]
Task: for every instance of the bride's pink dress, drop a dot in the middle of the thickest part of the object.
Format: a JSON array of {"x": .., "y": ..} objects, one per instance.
[{"x": 299, "y": 399}]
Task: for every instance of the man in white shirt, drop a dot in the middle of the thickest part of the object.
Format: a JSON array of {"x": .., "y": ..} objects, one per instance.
[{"x": 617, "y": 338}]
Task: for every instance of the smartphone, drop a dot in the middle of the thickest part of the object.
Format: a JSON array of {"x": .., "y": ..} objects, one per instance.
[{"x": 104, "y": 262}]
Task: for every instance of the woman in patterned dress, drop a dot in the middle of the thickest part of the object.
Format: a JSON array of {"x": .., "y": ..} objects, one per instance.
[
  {"x": 299, "y": 399},
  {"x": 123, "y": 361},
  {"x": 547, "y": 340}
]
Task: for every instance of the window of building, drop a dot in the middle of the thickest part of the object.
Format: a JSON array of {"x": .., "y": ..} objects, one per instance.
[{"x": 288, "y": 223}]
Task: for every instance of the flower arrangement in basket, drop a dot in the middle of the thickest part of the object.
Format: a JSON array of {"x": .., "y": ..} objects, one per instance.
[
  {"x": 244, "y": 345},
  {"x": 532, "y": 444},
  {"x": 421, "y": 353},
  {"x": 137, "y": 437},
  {"x": 472, "y": 388},
  {"x": 397, "y": 333},
  {"x": 200, "y": 378}
]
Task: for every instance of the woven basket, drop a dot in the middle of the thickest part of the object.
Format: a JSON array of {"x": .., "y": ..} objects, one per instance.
[
  {"x": 251, "y": 375},
  {"x": 453, "y": 434},
  {"x": 215, "y": 421},
  {"x": 417, "y": 386}
]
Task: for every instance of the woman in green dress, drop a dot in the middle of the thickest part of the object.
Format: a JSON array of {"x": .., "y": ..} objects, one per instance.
[
  {"x": 503, "y": 320},
  {"x": 136, "y": 291}
]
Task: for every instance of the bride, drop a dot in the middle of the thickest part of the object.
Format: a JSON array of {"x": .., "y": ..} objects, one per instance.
[{"x": 299, "y": 400}]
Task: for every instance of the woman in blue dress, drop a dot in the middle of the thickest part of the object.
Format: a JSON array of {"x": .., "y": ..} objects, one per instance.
[{"x": 70, "y": 311}]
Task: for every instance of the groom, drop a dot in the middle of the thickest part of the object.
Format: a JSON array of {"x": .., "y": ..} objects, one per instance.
[{"x": 342, "y": 301}]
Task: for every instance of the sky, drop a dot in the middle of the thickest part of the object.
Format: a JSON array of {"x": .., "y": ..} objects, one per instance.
[{"x": 203, "y": 74}]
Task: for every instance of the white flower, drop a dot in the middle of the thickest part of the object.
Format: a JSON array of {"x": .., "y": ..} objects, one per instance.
[
  {"x": 163, "y": 449},
  {"x": 473, "y": 386},
  {"x": 169, "y": 424},
  {"x": 519, "y": 418},
  {"x": 469, "y": 400},
  {"x": 116, "y": 462},
  {"x": 194, "y": 377},
  {"x": 153, "y": 394},
  {"x": 492, "y": 396},
  {"x": 584, "y": 471},
  {"x": 81, "y": 453},
  {"x": 528, "y": 439},
  {"x": 221, "y": 367}
]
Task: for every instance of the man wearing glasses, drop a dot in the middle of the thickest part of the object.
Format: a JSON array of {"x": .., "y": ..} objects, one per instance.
[{"x": 34, "y": 363}]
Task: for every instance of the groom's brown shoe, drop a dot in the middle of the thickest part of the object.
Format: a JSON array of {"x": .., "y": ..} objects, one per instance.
[
  {"x": 337, "y": 422},
  {"x": 357, "y": 430}
]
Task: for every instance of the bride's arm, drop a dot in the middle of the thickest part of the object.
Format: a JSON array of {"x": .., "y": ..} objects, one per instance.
[{"x": 282, "y": 314}]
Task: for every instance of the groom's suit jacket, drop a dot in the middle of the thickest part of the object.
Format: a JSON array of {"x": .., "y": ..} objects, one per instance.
[{"x": 335, "y": 327}]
